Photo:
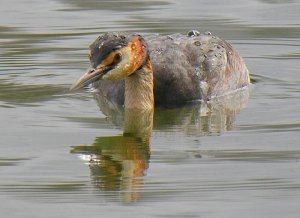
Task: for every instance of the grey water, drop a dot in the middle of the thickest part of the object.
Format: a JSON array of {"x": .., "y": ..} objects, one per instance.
[{"x": 61, "y": 156}]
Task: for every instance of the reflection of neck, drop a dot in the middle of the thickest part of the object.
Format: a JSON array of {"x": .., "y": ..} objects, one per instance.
[
  {"x": 138, "y": 123},
  {"x": 139, "y": 88}
]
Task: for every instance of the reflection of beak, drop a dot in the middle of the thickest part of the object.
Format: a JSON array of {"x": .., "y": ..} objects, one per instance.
[{"x": 89, "y": 77}]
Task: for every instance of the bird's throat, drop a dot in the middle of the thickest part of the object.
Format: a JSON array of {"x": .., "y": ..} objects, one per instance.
[{"x": 139, "y": 88}]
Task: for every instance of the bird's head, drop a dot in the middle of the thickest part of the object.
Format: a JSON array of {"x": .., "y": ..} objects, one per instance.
[{"x": 114, "y": 56}]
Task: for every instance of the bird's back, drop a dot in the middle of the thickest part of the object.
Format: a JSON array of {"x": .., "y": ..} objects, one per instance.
[{"x": 194, "y": 66}]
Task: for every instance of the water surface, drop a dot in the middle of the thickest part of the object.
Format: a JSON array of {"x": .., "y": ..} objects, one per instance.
[{"x": 60, "y": 156}]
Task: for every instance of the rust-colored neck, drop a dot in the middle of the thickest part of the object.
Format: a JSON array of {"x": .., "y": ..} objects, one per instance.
[{"x": 139, "y": 88}]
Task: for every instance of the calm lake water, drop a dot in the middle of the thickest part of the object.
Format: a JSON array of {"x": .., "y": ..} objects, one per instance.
[{"x": 60, "y": 156}]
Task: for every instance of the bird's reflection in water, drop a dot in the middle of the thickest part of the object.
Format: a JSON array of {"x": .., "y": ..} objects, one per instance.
[
  {"x": 200, "y": 118},
  {"x": 118, "y": 163}
]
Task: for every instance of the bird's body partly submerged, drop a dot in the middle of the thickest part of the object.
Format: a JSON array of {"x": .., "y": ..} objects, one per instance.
[{"x": 182, "y": 68}]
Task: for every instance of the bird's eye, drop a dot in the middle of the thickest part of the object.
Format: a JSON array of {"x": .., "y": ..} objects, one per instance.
[{"x": 117, "y": 58}]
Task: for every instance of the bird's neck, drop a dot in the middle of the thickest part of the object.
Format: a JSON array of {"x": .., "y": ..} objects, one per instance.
[{"x": 139, "y": 88}]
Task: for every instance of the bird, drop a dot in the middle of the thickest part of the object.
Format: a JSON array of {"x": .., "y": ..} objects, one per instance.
[{"x": 141, "y": 72}]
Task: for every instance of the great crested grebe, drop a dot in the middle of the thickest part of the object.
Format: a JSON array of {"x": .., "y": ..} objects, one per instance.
[{"x": 163, "y": 70}]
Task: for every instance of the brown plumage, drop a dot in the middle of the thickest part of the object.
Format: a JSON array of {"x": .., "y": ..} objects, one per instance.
[{"x": 183, "y": 68}]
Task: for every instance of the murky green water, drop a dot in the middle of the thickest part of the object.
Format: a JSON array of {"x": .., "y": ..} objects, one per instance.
[{"x": 60, "y": 156}]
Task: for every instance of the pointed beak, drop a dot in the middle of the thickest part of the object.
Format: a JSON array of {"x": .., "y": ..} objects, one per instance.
[{"x": 89, "y": 77}]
